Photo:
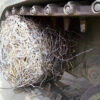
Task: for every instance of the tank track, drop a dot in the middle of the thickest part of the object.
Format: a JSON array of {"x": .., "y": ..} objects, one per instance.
[{"x": 72, "y": 8}]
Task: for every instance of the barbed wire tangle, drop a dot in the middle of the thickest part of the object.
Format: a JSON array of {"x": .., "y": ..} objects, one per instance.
[{"x": 29, "y": 53}]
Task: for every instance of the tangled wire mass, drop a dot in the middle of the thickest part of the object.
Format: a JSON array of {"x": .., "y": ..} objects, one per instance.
[{"x": 30, "y": 54}]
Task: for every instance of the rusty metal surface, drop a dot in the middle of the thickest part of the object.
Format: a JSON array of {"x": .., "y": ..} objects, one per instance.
[
  {"x": 54, "y": 11},
  {"x": 68, "y": 9},
  {"x": 7, "y": 3},
  {"x": 92, "y": 94},
  {"x": 49, "y": 8},
  {"x": 88, "y": 65}
]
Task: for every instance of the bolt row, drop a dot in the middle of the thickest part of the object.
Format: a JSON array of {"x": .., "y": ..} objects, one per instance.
[
  {"x": 71, "y": 8},
  {"x": 50, "y": 9}
]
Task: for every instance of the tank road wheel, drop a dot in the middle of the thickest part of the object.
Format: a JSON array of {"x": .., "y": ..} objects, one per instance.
[{"x": 92, "y": 94}]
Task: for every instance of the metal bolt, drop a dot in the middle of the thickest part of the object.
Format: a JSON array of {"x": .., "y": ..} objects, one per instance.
[
  {"x": 35, "y": 10},
  {"x": 50, "y": 9},
  {"x": 95, "y": 7},
  {"x": 47, "y": 10},
  {"x": 13, "y": 10},
  {"x": 69, "y": 8},
  {"x": 22, "y": 10},
  {"x": 93, "y": 74},
  {"x": 7, "y": 13}
]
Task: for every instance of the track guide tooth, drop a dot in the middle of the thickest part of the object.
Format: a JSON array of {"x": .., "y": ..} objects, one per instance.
[
  {"x": 24, "y": 11},
  {"x": 14, "y": 10},
  {"x": 7, "y": 13},
  {"x": 50, "y": 9},
  {"x": 35, "y": 10},
  {"x": 70, "y": 8}
]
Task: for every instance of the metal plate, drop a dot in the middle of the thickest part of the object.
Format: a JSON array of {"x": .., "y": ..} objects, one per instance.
[{"x": 92, "y": 94}]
